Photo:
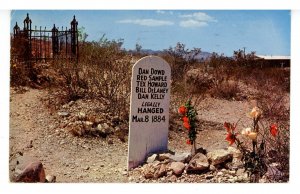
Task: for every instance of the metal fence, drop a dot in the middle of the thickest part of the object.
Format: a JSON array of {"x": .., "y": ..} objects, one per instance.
[{"x": 39, "y": 44}]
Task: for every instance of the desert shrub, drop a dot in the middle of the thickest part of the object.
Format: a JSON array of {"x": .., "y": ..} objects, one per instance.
[
  {"x": 103, "y": 73},
  {"x": 222, "y": 71},
  {"x": 181, "y": 60},
  {"x": 18, "y": 74},
  {"x": 227, "y": 89},
  {"x": 19, "y": 69},
  {"x": 268, "y": 153},
  {"x": 198, "y": 81},
  {"x": 245, "y": 68},
  {"x": 23, "y": 70}
]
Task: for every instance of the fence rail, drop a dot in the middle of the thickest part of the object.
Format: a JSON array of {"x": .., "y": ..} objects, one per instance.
[{"x": 43, "y": 45}]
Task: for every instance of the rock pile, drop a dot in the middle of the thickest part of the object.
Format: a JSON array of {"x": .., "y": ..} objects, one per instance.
[
  {"x": 222, "y": 165},
  {"x": 90, "y": 121}
]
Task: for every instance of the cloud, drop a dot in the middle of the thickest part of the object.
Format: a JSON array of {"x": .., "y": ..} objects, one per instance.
[
  {"x": 200, "y": 16},
  {"x": 147, "y": 22},
  {"x": 192, "y": 23},
  {"x": 198, "y": 19}
]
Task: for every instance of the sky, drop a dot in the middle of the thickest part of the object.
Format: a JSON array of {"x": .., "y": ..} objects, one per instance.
[{"x": 267, "y": 32}]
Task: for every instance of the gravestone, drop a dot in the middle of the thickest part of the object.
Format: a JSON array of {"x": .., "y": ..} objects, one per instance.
[{"x": 149, "y": 109}]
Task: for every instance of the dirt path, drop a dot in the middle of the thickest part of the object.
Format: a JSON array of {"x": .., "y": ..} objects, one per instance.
[
  {"x": 69, "y": 158},
  {"x": 75, "y": 159}
]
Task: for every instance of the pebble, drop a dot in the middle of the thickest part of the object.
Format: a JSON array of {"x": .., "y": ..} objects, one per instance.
[
  {"x": 87, "y": 168},
  {"x": 209, "y": 176},
  {"x": 63, "y": 114},
  {"x": 231, "y": 180},
  {"x": 220, "y": 173},
  {"x": 212, "y": 168},
  {"x": 50, "y": 178}
]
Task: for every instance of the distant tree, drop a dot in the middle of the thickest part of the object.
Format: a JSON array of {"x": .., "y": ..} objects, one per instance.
[
  {"x": 82, "y": 35},
  {"x": 138, "y": 48},
  {"x": 243, "y": 59},
  {"x": 181, "y": 59}
]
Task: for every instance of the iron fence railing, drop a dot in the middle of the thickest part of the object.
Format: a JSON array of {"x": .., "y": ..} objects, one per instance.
[{"x": 42, "y": 45}]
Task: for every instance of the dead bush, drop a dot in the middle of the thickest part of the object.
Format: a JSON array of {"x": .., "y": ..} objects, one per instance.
[
  {"x": 181, "y": 60},
  {"x": 227, "y": 89},
  {"x": 198, "y": 81},
  {"x": 103, "y": 73}
]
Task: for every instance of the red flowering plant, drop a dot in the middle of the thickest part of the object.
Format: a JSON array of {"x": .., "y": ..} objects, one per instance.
[
  {"x": 231, "y": 136},
  {"x": 256, "y": 160},
  {"x": 188, "y": 113}
]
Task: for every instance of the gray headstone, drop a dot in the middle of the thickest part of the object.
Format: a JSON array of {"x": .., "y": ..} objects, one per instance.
[{"x": 149, "y": 109}]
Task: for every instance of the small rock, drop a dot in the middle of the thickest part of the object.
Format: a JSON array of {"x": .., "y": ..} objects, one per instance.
[
  {"x": 86, "y": 168},
  {"x": 103, "y": 129},
  {"x": 198, "y": 163},
  {"x": 29, "y": 170},
  {"x": 117, "y": 129},
  {"x": 50, "y": 179},
  {"x": 209, "y": 176},
  {"x": 183, "y": 157},
  {"x": 156, "y": 163},
  {"x": 162, "y": 171},
  {"x": 177, "y": 167},
  {"x": 231, "y": 172},
  {"x": 81, "y": 116},
  {"x": 152, "y": 158},
  {"x": 231, "y": 180},
  {"x": 63, "y": 114},
  {"x": 240, "y": 172},
  {"x": 262, "y": 180},
  {"x": 106, "y": 126},
  {"x": 220, "y": 173},
  {"x": 148, "y": 171},
  {"x": 124, "y": 173},
  {"x": 164, "y": 156},
  {"x": 212, "y": 168},
  {"x": 219, "y": 156},
  {"x": 173, "y": 178},
  {"x": 88, "y": 124},
  {"x": 169, "y": 173},
  {"x": 65, "y": 106}
]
